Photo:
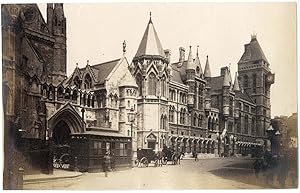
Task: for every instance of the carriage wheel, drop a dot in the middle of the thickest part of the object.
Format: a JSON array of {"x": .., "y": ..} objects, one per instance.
[
  {"x": 164, "y": 160},
  {"x": 144, "y": 161},
  {"x": 156, "y": 162},
  {"x": 136, "y": 163}
]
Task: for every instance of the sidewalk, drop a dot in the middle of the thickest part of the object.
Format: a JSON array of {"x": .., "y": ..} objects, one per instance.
[{"x": 57, "y": 174}]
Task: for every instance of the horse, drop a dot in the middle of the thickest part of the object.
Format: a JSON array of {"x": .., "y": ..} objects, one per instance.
[{"x": 159, "y": 158}]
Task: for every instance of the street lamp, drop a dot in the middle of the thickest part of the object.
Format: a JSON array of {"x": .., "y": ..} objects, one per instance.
[{"x": 131, "y": 118}]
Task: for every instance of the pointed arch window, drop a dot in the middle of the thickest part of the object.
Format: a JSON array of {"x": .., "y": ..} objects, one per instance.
[
  {"x": 181, "y": 116},
  {"x": 139, "y": 82},
  {"x": 171, "y": 114},
  {"x": 195, "y": 119},
  {"x": 152, "y": 84},
  {"x": 77, "y": 82},
  {"x": 199, "y": 120},
  {"x": 209, "y": 123},
  {"x": 87, "y": 82}
]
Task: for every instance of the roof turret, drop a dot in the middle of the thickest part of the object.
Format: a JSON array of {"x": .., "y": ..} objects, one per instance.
[
  {"x": 207, "y": 73},
  {"x": 190, "y": 63},
  {"x": 150, "y": 44}
]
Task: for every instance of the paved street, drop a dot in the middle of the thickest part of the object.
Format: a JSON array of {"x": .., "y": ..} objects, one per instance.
[{"x": 224, "y": 173}]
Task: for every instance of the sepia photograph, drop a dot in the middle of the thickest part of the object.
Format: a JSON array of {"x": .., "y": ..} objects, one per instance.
[{"x": 149, "y": 96}]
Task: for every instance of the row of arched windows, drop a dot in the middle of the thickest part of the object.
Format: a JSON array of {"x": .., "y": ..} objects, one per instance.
[
  {"x": 197, "y": 120},
  {"x": 152, "y": 85},
  {"x": 87, "y": 82},
  {"x": 212, "y": 123},
  {"x": 113, "y": 99},
  {"x": 68, "y": 94},
  {"x": 246, "y": 82}
]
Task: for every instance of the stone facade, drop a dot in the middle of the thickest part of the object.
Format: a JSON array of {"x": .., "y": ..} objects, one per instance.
[
  {"x": 186, "y": 108},
  {"x": 174, "y": 104}
]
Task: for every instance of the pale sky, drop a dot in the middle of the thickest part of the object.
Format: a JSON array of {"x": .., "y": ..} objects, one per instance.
[{"x": 95, "y": 32}]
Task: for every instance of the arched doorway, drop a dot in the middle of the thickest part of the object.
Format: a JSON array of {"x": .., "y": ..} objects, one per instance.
[
  {"x": 66, "y": 122},
  {"x": 61, "y": 134},
  {"x": 61, "y": 145}
]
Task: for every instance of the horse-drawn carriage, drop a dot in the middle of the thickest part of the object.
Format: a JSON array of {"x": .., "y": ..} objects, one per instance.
[
  {"x": 169, "y": 154},
  {"x": 146, "y": 156}
]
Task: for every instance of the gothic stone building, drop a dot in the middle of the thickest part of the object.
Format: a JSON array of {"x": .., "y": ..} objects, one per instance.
[
  {"x": 51, "y": 116},
  {"x": 187, "y": 108},
  {"x": 88, "y": 113}
]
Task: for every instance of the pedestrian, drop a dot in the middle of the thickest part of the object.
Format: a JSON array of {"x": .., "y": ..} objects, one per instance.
[
  {"x": 106, "y": 163},
  {"x": 113, "y": 160},
  {"x": 196, "y": 156}
]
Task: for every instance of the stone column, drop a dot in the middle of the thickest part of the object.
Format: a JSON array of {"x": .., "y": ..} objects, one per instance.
[
  {"x": 55, "y": 94},
  {"x": 78, "y": 98}
]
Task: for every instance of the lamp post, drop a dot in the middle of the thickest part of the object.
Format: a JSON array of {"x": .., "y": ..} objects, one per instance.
[{"x": 131, "y": 118}]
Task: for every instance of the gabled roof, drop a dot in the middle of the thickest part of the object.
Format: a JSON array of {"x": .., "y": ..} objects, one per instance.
[
  {"x": 102, "y": 70},
  {"x": 176, "y": 76},
  {"x": 244, "y": 96},
  {"x": 253, "y": 52},
  {"x": 150, "y": 44},
  {"x": 128, "y": 80}
]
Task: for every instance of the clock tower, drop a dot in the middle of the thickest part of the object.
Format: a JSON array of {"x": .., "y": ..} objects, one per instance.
[{"x": 256, "y": 79}]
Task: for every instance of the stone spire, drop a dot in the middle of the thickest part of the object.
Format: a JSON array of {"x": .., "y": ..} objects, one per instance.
[
  {"x": 236, "y": 86},
  {"x": 150, "y": 44},
  {"x": 207, "y": 73},
  {"x": 190, "y": 63},
  {"x": 197, "y": 63}
]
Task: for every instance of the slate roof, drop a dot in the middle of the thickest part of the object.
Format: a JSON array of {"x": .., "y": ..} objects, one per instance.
[
  {"x": 150, "y": 44},
  {"x": 176, "y": 77},
  {"x": 243, "y": 96},
  {"x": 179, "y": 72},
  {"x": 102, "y": 70},
  {"x": 253, "y": 52},
  {"x": 216, "y": 83}
]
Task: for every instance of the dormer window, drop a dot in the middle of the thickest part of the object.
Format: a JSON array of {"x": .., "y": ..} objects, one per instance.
[
  {"x": 77, "y": 82},
  {"x": 87, "y": 82}
]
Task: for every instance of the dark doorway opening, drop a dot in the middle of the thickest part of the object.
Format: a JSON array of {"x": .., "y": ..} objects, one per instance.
[{"x": 61, "y": 146}]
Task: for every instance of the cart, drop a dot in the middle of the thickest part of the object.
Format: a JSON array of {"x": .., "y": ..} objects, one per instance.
[{"x": 145, "y": 156}]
